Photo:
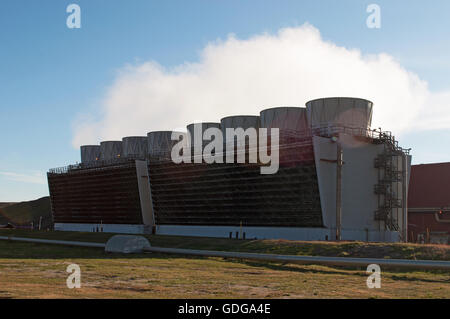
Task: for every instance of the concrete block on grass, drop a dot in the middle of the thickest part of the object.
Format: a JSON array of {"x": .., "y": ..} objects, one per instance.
[{"x": 127, "y": 244}]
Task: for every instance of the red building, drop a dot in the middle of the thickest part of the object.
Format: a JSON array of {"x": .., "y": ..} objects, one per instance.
[{"x": 429, "y": 203}]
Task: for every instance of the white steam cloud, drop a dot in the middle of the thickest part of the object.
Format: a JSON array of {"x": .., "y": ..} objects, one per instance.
[{"x": 245, "y": 76}]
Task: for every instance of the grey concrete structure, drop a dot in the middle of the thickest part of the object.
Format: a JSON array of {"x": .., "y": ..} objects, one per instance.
[
  {"x": 160, "y": 143},
  {"x": 107, "y": 228},
  {"x": 127, "y": 244},
  {"x": 359, "y": 179},
  {"x": 337, "y": 179},
  {"x": 340, "y": 111},
  {"x": 197, "y": 147},
  {"x": 290, "y": 233},
  {"x": 110, "y": 150},
  {"x": 135, "y": 147},
  {"x": 285, "y": 118},
  {"x": 203, "y": 127},
  {"x": 90, "y": 153},
  {"x": 238, "y": 122},
  {"x": 145, "y": 194}
]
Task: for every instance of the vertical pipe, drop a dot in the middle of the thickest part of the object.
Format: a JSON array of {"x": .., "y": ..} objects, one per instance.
[
  {"x": 339, "y": 191},
  {"x": 240, "y": 230},
  {"x": 405, "y": 196}
]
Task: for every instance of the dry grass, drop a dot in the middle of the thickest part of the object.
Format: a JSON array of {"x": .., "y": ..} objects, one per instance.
[{"x": 39, "y": 271}]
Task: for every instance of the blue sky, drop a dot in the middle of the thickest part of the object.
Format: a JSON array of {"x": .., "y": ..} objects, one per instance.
[{"x": 50, "y": 74}]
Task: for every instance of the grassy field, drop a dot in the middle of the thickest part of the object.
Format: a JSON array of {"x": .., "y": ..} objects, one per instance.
[
  {"x": 39, "y": 271},
  {"x": 285, "y": 247}
]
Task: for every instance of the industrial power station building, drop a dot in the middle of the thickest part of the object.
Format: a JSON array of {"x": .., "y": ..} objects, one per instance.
[
  {"x": 429, "y": 204},
  {"x": 337, "y": 179}
]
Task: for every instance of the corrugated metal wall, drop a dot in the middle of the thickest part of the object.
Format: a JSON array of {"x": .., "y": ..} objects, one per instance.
[
  {"x": 106, "y": 194},
  {"x": 228, "y": 194}
]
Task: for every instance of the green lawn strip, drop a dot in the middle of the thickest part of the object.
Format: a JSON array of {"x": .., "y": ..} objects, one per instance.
[{"x": 283, "y": 247}]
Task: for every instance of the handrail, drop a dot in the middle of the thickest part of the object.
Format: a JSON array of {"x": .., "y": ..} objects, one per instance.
[{"x": 322, "y": 131}]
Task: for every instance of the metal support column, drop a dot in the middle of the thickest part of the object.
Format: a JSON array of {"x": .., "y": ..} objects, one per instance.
[
  {"x": 405, "y": 196},
  {"x": 339, "y": 191}
]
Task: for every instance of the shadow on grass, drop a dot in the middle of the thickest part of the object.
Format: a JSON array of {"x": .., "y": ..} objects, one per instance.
[
  {"x": 358, "y": 271},
  {"x": 16, "y": 250},
  {"x": 406, "y": 278}
]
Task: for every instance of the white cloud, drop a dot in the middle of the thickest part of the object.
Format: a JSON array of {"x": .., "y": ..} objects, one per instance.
[
  {"x": 245, "y": 76},
  {"x": 31, "y": 178},
  {"x": 436, "y": 116}
]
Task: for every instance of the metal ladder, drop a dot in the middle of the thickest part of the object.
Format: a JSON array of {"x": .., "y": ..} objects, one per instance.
[{"x": 388, "y": 175}]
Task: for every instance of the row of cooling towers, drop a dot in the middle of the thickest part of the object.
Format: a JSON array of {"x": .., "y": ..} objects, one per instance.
[{"x": 326, "y": 112}]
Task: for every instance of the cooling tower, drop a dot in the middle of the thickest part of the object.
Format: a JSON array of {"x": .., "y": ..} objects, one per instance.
[
  {"x": 285, "y": 118},
  {"x": 135, "y": 147},
  {"x": 204, "y": 126},
  {"x": 160, "y": 143},
  {"x": 239, "y": 121},
  {"x": 110, "y": 150},
  {"x": 90, "y": 153},
  {"x": 293, "y": 130},
  {"x": 339, "y": 111}
]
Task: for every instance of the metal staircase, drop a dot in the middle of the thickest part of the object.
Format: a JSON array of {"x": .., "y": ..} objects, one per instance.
[{"x": 389, "y": 179}]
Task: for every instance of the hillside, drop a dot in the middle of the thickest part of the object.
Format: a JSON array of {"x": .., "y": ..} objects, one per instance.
[
  {"x": 26, "y": 212},
  {"x": 2, "y": 205}
]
